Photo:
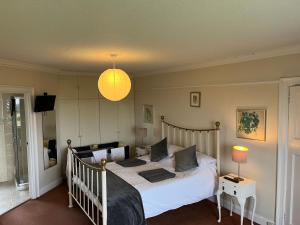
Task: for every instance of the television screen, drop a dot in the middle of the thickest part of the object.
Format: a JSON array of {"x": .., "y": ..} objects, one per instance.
[{"x": 44, "y": 103}]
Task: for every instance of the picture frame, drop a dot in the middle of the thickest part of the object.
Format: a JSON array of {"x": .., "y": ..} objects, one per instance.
[
  {"x": 195, "y": 99},
  {"x": 148, "y": 113},
  {"x": 251, "y": 123}
]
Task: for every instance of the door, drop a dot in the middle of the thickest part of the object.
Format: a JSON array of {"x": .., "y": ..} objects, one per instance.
[{"x": 292, "y": 216}]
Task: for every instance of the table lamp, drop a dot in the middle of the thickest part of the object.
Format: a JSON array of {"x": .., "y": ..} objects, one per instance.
[
  {"x": 239, "y": 155},
  {"x": 142, "y": 132}
]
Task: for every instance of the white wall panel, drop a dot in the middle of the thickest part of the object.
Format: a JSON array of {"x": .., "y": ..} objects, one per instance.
[
  {"x": 68, "y": 87},
  {"x": 126, "y": 121},
  {"x": 68, "y": 115},
  {"x": 86, "y": 118},
  {"x": 295, "y": 112},
  {"x": 108, "y": 121},
  {"x": 88, "y": 87},
  {"x": 89, "y": 121}
]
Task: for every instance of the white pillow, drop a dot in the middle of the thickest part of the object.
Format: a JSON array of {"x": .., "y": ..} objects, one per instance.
[
  {"x": 117, "y": 154},
  {"x": 172, "y": 149}
]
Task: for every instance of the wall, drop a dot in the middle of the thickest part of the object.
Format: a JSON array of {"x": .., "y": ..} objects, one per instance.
[
  {"x": 224, "y": 88},
  {"x": 3, "y": 157},
  {"x": 87, "y": 118},
  {"x": 116, "y": 122},
  {"x": 41, "y": 82},
  {"x": 7, "y": 151}
]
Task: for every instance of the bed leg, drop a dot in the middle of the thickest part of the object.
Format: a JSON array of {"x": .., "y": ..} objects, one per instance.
[
  {"x": 104, "y": 192},
  {"x": 69, "y": 171},
  {"x": 70, "y": 200}
]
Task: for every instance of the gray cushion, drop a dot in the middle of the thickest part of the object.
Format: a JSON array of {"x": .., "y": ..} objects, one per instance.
[
  {"x": 186, "y": 159},
  {"x": 159, "y": 150}
]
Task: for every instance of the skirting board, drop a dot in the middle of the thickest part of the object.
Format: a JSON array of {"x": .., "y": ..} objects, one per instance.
[
  {"x": 50, "y": 186},
  {"x": 236, "y": 209}
]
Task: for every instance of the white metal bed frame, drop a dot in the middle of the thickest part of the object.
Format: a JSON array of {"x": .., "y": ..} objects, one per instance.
[
  {"x": 85, "y": 199},
  {"x": 202, "y": 138}
]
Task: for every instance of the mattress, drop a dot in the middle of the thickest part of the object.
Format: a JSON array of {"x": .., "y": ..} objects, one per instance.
[{"x": 186, "y": 188}]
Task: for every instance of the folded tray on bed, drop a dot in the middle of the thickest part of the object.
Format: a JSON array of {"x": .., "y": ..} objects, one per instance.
[
  {"x": 131, "y": 162},
  {"x": 157, "y": 175}
]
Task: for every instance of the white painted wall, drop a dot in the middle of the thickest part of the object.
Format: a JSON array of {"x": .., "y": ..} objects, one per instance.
[
  {"x": 41, "y": 82},
  {"x": 119, "y": 127},
  {"x": 3, "y": 158},
  {"x": 87, "y": 118},
  {"x": 224, "y": 88}
]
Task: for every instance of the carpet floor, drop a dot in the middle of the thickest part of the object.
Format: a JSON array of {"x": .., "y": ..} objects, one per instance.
[{"x": 51, "y": 209}]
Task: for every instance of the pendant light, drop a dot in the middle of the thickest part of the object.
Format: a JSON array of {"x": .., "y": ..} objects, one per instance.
[{"x": 114, "y": 84}]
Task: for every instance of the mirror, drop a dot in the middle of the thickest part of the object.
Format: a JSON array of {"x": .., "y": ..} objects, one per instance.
[{"x": 49, "y": 139}]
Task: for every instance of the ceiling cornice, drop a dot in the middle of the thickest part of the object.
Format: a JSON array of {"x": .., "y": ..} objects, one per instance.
[
  {"x": 255, "y": 56},
  {"x": 290, "y": 50},
  {"x": 45, "y": 69}
]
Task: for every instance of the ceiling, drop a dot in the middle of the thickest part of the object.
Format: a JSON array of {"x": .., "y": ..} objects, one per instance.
[{"x": 148, "y": 36}]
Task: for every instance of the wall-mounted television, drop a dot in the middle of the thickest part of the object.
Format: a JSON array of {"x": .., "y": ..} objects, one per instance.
[{"x": 44, "y": 103}]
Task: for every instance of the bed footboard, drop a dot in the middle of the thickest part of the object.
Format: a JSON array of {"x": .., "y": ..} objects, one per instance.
[{"x": 83, "y": 185}]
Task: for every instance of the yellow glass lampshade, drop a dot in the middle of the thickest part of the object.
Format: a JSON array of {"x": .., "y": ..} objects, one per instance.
[
  {"x": 239, "y": 154},
  {"x": 114, "y": 84}
]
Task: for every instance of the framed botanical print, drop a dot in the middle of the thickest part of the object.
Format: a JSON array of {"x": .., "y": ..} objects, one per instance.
[
  {"x": 148, "y": 114},
  {"x": 251, "y": 124},
  {"x": 195, "y": 99}
]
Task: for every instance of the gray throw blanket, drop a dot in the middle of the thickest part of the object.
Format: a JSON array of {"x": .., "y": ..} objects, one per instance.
[
  {"x": 131, "y": 162},
  {"x": 124, "y": 202},
  {"x": 157, "y": 175}
]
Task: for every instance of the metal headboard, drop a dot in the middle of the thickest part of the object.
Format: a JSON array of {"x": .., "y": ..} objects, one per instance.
[{"x": 207, "y": 141}]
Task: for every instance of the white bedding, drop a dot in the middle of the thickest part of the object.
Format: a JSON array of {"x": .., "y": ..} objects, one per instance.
[{"x": 186, "y": 188}]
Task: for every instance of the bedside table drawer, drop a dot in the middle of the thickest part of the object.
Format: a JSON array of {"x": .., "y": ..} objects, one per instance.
[{"x": 229, "y": 188}]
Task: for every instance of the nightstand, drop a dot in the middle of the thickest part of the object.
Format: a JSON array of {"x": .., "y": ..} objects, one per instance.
[{"x": 242, "y": 190}]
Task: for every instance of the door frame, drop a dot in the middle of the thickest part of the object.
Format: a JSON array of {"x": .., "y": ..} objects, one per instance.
[
  {"x": 282, "y": 155},
  {"x": 31, "y": 133}
]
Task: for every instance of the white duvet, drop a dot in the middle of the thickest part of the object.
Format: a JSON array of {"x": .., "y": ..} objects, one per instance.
[{"x": 186, "y": 188}]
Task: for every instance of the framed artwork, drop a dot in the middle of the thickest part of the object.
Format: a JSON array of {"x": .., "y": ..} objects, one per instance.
[
  {"x": 251, "y": 124},
  {"x": 195, "y": 99},
  {"x": 148, "y": 114}
]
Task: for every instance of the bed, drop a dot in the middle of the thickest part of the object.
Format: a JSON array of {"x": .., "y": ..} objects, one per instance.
[{"x": 186, "y": 188}]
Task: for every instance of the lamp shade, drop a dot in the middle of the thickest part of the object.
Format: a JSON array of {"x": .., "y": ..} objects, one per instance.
[
  {"x": 239, "y": 154},
  {"x": 114, "y": 84}
]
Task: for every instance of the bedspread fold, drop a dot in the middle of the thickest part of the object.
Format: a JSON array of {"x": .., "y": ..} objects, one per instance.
[{"x": 124, "y": 202}]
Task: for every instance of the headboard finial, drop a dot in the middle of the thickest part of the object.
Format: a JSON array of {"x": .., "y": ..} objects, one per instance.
[
  {"x": 69, "y": 143},
  {"x": 162, "y": 118},
  {"x": 103, "y": 164},
  {"x": 218, "y": 125}
]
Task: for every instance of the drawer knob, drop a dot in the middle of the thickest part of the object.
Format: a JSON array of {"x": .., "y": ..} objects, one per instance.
[
  {"x": 234, "y": 192},
  {"x": 223, "y": 188}
]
